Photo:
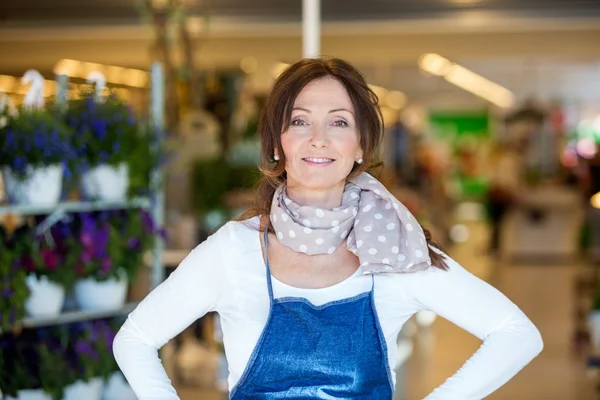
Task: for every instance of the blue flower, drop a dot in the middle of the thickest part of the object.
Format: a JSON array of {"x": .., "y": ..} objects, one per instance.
[{"x": 10, "y": 139}]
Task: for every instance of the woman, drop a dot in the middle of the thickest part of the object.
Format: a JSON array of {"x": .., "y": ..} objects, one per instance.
[{"x": 314, "y": 284}]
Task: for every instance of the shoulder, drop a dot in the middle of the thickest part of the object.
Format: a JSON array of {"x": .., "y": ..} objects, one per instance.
[
  {"x": 237, "y": 235},
  {"x": 434, "y": 276}
]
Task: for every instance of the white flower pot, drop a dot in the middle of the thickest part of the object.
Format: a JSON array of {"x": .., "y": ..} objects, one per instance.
[
  {"x": 105, "y": 182},
  {"x": 93, "y": 295},
  {"x": 42, "y": 187},
  {"x": 80, "y": 390},
  {"x": 31, "y": 394},
  {"x": 46, "y": 298},
  {"x": 594, "y": 326},
  {"x": 117, "y": 388}
]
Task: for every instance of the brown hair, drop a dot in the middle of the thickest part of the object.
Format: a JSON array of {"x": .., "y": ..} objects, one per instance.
[{"x": 280, "y": 103}]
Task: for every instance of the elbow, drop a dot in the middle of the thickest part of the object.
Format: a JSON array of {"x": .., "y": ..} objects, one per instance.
[
  {"x": 537, "y": 342},
  {"x": 531, "y": 341}
]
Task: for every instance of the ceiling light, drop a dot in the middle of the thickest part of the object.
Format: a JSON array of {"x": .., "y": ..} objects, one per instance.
[
  {"x": 467, "y": 80},
  {"x": 435, "y": 64}
]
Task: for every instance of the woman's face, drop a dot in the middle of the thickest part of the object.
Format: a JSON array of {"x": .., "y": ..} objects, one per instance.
[{"x": 322, "y": 143}]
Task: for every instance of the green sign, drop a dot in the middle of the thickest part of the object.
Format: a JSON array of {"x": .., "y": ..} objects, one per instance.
[{"x": 455, "y": 125}]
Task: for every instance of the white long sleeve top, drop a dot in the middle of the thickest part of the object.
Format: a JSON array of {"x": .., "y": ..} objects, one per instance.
[{"x": 227, "y": 274}]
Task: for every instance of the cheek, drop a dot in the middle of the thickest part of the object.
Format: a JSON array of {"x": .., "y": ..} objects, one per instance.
[
  {"x": 348, "y": 147},
  {"x": 289, "y": 144}
]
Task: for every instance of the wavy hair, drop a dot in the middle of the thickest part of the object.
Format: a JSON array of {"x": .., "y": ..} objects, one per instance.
[{"x": 276, "y": 116}]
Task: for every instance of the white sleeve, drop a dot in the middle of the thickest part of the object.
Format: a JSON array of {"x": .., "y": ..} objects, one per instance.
[
  {"x": 510, "y": 340},
  {"x": 195, "y": 288}
]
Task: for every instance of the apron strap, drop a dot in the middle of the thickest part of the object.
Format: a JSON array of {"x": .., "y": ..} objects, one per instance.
[{"x": 269, "y": 283}]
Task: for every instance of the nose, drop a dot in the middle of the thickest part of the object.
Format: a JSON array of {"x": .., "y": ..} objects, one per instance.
[{"x": 319, "y": 137}]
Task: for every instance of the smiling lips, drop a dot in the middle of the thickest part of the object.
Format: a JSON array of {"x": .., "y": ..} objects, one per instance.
[{"x": 318, "y": 161}]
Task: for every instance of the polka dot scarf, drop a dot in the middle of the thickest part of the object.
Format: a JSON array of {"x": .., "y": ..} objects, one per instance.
[{"x": 379, "y": 230}]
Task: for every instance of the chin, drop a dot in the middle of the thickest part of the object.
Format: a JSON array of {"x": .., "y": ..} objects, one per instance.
[{"x": 318, "y": 181}]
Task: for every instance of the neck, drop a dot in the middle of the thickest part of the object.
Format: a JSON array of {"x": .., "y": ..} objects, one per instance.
[{"x": 326, "y": 199}]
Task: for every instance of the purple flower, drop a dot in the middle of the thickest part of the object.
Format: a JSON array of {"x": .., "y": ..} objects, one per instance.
[
  {"x": 109, "y": 337},
  {"x": 86, "y": 239},
  {"x": 50, "y": 259},
  {"x": 95, "y": 329},
  {"x": 85, "y": 349},
  {"x": 86, "y": 257},
  {"x": 147, "y": 220},
  {"x": 7, "y": 292},
  {"x": 133, "y": 243},
  {"x": 106, "y": 265}
]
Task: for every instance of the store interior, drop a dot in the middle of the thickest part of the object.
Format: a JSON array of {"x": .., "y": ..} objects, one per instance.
[{"x": 128, "y": 135}]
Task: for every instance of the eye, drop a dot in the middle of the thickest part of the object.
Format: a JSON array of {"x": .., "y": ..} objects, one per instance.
[
  {"x": 340, "y": 123},
  {"x": 298, "y": 122}
]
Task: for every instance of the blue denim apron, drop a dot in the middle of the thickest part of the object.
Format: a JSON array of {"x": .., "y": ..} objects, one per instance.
[{"x": 333, "y": 351}]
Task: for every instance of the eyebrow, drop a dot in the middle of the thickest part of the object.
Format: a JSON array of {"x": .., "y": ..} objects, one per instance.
[{"x": 330, "y": 111}]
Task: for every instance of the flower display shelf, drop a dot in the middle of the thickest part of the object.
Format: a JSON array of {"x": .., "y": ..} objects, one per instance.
[
  {"x": 75, "y": 206},
  {"x": 154, "y": 203},
  {"x": 75, "y": 316}
]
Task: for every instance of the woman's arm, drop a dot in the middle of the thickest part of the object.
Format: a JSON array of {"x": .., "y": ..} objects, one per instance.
[
  {"x": 193, "y": 289},
  {"x": 510, "y": 340}
]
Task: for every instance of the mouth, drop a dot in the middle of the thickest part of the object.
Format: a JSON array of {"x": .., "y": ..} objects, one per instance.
[{"x": 318, "y": 161}]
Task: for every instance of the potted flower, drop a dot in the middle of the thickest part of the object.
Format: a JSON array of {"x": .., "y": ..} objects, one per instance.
[
  {"x": 105, "y": 131},
  {"x": 13, "y": 287},
  {"x": 109, "y": 253},
  {"x": 34, "y": 155},
  {"x": 86, "y": 354},
  {"x": 115, "y": 384},
  {"x": 49, "y": 265},
  {"x": 102, "y": 282},
  {"x": 138, "y": 232},
  {"x": 32, "y": 367}
]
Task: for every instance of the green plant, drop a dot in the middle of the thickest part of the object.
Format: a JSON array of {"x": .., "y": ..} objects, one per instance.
[
  {"x": 107, "y": 132},
  {"x": 52, "y": 367},
  {"x": 211, "y": 179},
  {"x": 138, "y": 234},
  {"x": 105, "y": 244},
  {"x": 13, "y": 286},
  {"x": 48, "y": 253},
  {"x": 34, "y": 360},
  {"x": 146, "y": 157},
  {"x": 104, "y": 130},
  {"x": 34, "y": 138}
]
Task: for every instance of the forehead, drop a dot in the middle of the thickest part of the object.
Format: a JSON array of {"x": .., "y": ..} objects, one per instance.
[{"x": 326, "y": 91}]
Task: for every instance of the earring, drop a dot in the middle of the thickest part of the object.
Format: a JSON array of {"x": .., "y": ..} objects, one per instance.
[
  {"x": 276, "y": 157},
  {"x": 359, "y": 161}
]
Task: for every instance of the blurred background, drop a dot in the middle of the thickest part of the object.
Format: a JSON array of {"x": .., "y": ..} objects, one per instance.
[{"x": 492, "y": 113}]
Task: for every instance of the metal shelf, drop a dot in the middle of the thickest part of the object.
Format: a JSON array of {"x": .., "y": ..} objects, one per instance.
[
  {"x": 76, "y": 316},
  {"x": 75, "y": 206}
]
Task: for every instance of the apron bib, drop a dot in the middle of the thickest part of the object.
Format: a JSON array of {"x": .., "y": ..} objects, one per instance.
[{"x": 333, "y": 351}]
